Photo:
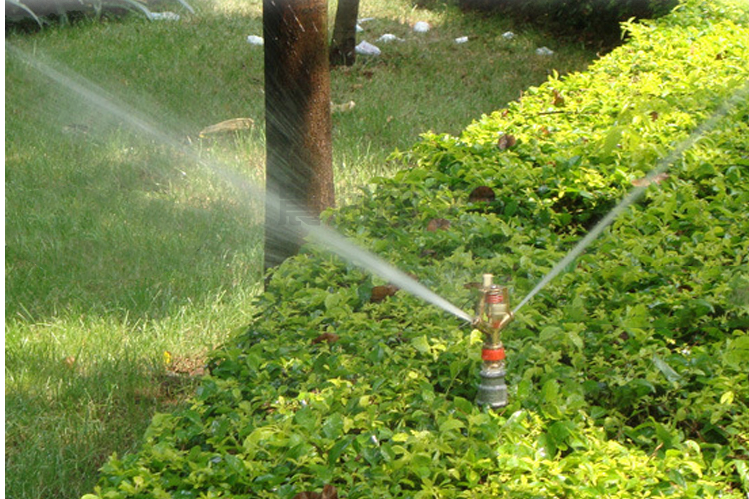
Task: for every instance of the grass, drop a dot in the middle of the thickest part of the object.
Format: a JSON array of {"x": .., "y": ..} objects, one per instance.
[{"x": 126, "y": 262}]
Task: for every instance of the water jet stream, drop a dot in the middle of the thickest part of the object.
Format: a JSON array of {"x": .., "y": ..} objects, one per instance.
[
  {"x": 663, "y": 165},
  {"x": 325, "y": 236},
  {"x": 353, "y": 253}
]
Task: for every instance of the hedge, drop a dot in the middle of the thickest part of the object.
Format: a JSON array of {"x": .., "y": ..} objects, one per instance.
[{"x": 627, "y": 373}]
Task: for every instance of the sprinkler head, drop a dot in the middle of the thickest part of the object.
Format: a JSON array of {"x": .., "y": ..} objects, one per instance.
[{"x": 493, "y": 315}]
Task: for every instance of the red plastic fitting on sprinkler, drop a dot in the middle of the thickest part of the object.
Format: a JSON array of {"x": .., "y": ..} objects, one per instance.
[{"x": 493, "y": 354}]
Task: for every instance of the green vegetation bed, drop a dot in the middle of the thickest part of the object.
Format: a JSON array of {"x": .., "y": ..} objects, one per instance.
[{"x": 628, "y": 373}]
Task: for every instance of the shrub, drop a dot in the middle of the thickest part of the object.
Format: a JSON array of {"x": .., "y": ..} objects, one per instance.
[
  {"x": 594, "y": 20},
  {"x": 627, "y": 373}
]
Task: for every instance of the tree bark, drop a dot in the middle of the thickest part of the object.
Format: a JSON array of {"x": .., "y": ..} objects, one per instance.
[
  {"x": 343, "y": 46},
  {"x": 299, "y": 165}
]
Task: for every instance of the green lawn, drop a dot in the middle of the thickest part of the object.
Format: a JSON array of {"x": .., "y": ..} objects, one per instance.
[{"x": 126, "y": 260}]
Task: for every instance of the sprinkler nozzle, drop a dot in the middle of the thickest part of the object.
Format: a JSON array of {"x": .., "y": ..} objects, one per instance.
[{"x": 492, "y": 315}]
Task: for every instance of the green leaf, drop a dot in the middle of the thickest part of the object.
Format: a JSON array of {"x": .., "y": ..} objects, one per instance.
[
  {"x": 333, "y": 426},
  {"x": 737, "y": 353},
  {"x": 451, "y": 424},
  {"x": 337, "y": 449},
  {"x": 743, "y": 470},
  {"x": 612, "y": 140},
  {"x": 727, "y": 398},
  {"x": 463, "y": 405},
  {"x": 671, "y": 375},
  {"x": 364, "y": 291},
  {"x": 421, "y": 343},
  {"x": 306, "y": 418},
  {"x": 550, "y": 392}
]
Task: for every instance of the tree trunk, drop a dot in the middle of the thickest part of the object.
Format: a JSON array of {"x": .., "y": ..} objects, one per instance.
[
  {"x": 299, "y": 165},
  {"x": 343, "y": 46}
]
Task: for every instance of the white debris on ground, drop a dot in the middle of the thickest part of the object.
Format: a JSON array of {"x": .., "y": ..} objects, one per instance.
[
  {"x": 421, "y": 27},
  {"x": 165, "y": 16},
  {"x": 389, "y": 37},
  {"x": 366, "y": 48},
  {"x": 342, "y": 108}
]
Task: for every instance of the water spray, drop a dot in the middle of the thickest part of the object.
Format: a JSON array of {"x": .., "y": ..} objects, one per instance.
[
  {"x": 662, "y": 166},
  {"x": 302, "y": 222},
  {"x": 493, "y": 310},
  {"x": 493, "y": 314}
]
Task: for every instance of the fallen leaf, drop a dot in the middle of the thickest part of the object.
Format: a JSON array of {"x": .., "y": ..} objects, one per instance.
[
  {"x": 482, "y": 193},
  {"x": 379, "y": 293},
  {"x": 192, "y": 366},
  {"x": 647, "y": 180},
  {"x": 506, "y": 141},
  {"x": 436, "y": 224},
  {"x": 328, "y": 492},
  {"x": 558, "y": 98},
  {"x": 329, "y": 337}
]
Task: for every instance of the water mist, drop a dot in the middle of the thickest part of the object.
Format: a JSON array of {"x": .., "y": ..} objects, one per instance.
[{"x": 98, "y": 98}]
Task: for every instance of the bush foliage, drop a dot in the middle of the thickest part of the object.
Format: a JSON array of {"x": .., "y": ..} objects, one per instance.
[
  {"x": 594, "y": 20},
  {"x": 628, "y": 372}
]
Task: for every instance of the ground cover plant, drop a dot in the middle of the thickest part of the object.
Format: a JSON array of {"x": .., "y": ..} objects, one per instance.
[
  {"x": 125, "y": 263},
  {"x": 628, "y": 373}
]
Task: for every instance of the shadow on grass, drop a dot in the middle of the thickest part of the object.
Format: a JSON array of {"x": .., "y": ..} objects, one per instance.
[{"x": 66, "y": 418}]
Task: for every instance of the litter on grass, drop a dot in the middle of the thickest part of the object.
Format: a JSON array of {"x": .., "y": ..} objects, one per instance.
[
  {"x": 342, "y": 108},
  {"x": 508, "y": 35},
  {"x": 255, "y": 40},
  {"x": 366, "y": 48},
  {"x": 389, "y": 37},
  {"x": 544, "y": 51},
  {"x": 164, "y": 16},
  {"x": 421, "y": 27},
  {"x": 461, "y": 39}
]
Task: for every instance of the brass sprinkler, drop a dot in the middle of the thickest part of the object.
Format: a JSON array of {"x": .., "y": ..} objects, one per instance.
[{"x": 492, "y": 315}]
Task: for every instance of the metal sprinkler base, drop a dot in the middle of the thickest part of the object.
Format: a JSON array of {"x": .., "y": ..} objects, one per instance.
[{"x": 492, "y": 389}]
